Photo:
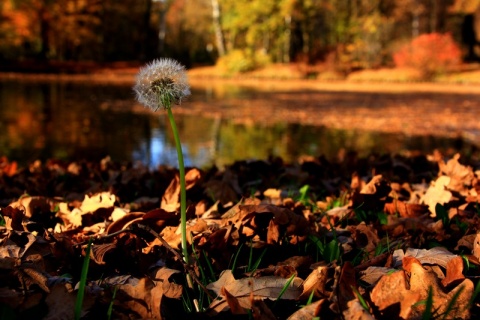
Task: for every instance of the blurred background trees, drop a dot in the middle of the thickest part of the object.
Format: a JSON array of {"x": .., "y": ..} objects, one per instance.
[{"x": 240, "y": 34}]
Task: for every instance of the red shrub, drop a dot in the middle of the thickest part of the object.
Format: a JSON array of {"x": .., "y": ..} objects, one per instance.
[{"x": 431, "y": 54}]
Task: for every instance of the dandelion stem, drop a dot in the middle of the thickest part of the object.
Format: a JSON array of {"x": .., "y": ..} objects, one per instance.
[{"x": 183, "y": 193}]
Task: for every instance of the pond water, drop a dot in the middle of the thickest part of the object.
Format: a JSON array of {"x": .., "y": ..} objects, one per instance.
[{"x": 72, "y": 120}]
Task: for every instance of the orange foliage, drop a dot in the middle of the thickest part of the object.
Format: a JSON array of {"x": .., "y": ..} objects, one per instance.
[
  {"x": 15, "y": 22},
  {"x": 431, "y": 53}
]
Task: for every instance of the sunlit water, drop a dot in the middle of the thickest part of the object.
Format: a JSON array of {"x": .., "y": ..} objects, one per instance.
[{"x": 69, "y": 120}]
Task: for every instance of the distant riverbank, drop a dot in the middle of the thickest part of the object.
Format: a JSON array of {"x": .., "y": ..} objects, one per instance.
[{"x": 413, "y": 108}]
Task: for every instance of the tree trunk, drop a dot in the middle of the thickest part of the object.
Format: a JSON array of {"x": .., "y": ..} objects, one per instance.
[
  {"x": 162, "y": 28},
  {"x": 218, "y": 28},
  {"x": 144, "y": 54},
  {"x": 44, "y": 33},
  {"x": 288, "y": 39}
]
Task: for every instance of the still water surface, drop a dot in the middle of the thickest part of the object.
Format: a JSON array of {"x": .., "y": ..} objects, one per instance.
[{"x": 72, "y": 120}]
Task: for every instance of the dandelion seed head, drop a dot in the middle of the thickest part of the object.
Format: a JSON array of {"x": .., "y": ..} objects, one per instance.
[{"x": 161, "y": 83}]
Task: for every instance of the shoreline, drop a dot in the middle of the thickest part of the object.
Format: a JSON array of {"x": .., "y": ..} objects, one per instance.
[
  {"x": 427, "y": 108},
  {"x": 201, "y": 78}
]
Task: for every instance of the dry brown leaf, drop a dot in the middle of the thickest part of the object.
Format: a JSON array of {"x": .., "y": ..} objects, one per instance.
[
  {"x": 249, "y": 218},
  {"x": 422, "y": 280},
  {"x": 30, "y": 275},
  {"x": 390, "y": 290},
  {"x": 370, "y": 187},
  {"x": 339, "y": 212},
  {"x": 405, "y": 209},
  {"x": 365, "y": 237},
  {"x": 15, "y": 246},
  {"x": 61, "y": 302},
  {"x": 158, "y": 219},
  {"x": 460, "y": 176},
  {"x": 476, "y": 246},
  {"x": 170, "y": 200},
  {"x": 467, "y": 242},
  {"x": 170, "y": 289},
  {"x": 273, "y": 232},
  {"x": 226, "y": 189},
  {"x": 261, "y": 311},
  {"x": 262, "y": 288},
  {"x": 437, "y": 193},
  {"x": 437, "y": 255},
  {"x": 32, "y": 205},
  {"x": 8, "y": 168},
  {"x": 308, "y": 312},
  {"x": 343, "y": 287},
  {"x": 454, "y": 271},
  {"x": 136, "y": 295},
  {"x": 237, "y": 306},
  {"x": 13, "y": 218},
  {"x": 371, "y": 275},
  {"x": 124, "y": 221},
  {"x": 273, "y": 193},
  {"x": 97, "y": 201},
  {"x": 355, "y": 311},
  {"x": 98, "y": 251},
  {"x": 316, "y": 282},
  {"x": 102, "y": 203}
]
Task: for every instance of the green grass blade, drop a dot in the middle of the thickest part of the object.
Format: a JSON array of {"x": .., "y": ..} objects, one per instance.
[
  {"x": 210, "y": 267},
  {"x": 310, "y": 298},
  {"x": 234, "y": 264},
  {"x": 284, "y": 289},
  {"x": 258, "y": 261},
  {"x": 110, "y": 306},
  {"x": 427, "y": 314},
  {"x": 362, "y": 301},
  {"x": 83, "y": 281},
  {"x": 474, "y": 295}
]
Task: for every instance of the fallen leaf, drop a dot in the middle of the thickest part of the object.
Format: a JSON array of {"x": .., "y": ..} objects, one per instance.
[
  {"x": 263, "y": 287},
  {"x": 61, "y": 303},
  {"x": 476, "y": 246},
  {"x": 454, "y": 271},
  {"x": 437, "y": 193},
  {"x": 308, "y": 312},
  {"x": 273, "y": 232},
  {"x": 316, "y": 282},
  {"x": 405, "y": 209},
  {"x": 390, "y": 290},
  {"x": 371, "y": 187},
  {"x": 97, "y": 201},
  {"x": 460, "y": 176},
  {"x": 355, "y": 311},
  {"x": 365, "y": 237},
  {"x": 143, "y": 297},
  {"x": 437, "y": 255},
  {"x": 170, "y": 200},
  {"x": 371, "y": 275},
  {"x": 261, "y": 311},
  {"x": 422, "y": 280},
  {"x": 234, "y": 304}
]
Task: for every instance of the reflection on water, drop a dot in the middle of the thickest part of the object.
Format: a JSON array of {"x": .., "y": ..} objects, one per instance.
[{"x": 77, "y": 121}]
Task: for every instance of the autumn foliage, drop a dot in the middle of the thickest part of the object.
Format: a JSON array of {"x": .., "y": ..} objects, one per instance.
[
  {"x": 431, "y": 54},
  {"x": 329, "y": 240}
]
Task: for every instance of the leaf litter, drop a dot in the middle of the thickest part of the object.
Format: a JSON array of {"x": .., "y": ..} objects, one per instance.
[{"x": 386, "y": 236}]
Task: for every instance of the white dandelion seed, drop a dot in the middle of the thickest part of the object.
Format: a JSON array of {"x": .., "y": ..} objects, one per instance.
[{"x": 161, "y": 83}]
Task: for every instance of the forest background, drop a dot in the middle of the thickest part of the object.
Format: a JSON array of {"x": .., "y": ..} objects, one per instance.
[{"x": 240, "y": 35}]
